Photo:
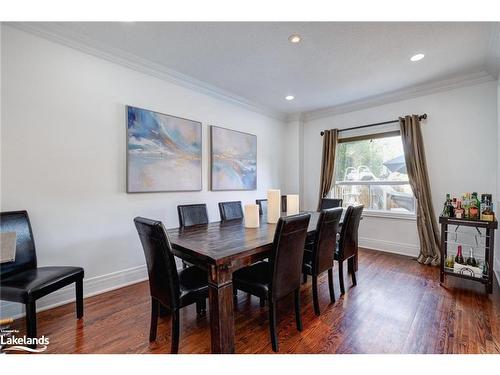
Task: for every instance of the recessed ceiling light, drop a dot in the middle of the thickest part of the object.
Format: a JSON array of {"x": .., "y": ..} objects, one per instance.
[
  {"x": 417, "y": 57},
  {"x": 289, "y": 97},
  {"x": 294, "y": 38}
]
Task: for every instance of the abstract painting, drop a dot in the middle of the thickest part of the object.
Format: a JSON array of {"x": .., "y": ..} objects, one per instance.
[
  {"x": 234, "y": 159},
  {"x": 163, "y": 152}
]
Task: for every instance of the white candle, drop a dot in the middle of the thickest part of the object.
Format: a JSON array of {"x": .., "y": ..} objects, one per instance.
[
  {"x": 292, "y": 204},
  {"x": 273, "y": 205},
  {"x": 251, "y": 216}
]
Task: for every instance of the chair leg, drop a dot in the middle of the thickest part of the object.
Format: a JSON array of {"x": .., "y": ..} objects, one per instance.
[
  {"x": 163, "y": 311},
  {"x": 31, "y": 321},
  {"x": 315, "y": 294},
  {"x": 262, "y": 302},
  {"x": 201, "y": 306},
  {"x": 154, "y": 319},
  {"x": 298, "y": 319},
  {"x": 304, "y": 278},
  {"x": 330, "y": 285},
  {"x": 341, "y": 277},
  {"x": 272, "y": 325},
  {"x": 79, "y": 298},
  {"x": 351, "y": 266},
  {"x": 174, "y": 348}
]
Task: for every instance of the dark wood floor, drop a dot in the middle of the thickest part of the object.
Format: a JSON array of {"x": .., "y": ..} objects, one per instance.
[{"x": 397, "y": 307}]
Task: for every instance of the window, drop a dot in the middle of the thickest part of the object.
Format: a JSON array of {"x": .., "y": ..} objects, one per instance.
[{"x": 371, "y": 170}]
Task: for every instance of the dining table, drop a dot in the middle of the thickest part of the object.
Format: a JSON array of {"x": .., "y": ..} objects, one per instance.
[{"x": 221, "y": 248}]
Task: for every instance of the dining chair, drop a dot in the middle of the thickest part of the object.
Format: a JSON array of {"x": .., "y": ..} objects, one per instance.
[
  {"x": 283, "y": 203},
  {"x": 22, "y": 281},
  {"x": 320, "y": 257},
  {"x": 347, "y": 246},
  {"x": 280, "y": 276},
  {"x": 192, "y": 214},
  {"x": 330, "y": 203},
  {"x": 230, "y": 210},
  {"x": 262, "y": 203},
  {"x": 168, "y": 287}
]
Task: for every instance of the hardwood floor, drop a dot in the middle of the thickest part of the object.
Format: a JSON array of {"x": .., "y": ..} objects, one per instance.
[{"x": 398, "y": 306}]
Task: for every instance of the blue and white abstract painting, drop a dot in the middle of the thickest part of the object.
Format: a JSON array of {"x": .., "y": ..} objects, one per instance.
[
  {"x": 234, "y": 160},
  {"x": 163, "y": 152}
]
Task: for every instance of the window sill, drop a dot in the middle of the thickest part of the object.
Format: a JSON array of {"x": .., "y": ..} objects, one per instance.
[{"x": 390, "y": 215}]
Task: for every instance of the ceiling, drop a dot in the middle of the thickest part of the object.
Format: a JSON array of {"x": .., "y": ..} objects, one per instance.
[{"x": 335, "y": 63}]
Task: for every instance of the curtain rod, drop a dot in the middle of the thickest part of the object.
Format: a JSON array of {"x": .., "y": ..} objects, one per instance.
[{"x": 421, "y": 117}]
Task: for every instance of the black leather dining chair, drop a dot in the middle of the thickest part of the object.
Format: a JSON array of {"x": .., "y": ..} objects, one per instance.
[
  {"x": 283, "y": 203},
  {"x": 319, "y": 258},
  {"x": 192, "y": 214},
  {"x": 230, "y": 210},
  {"x": 280, "y": 276},
  {"x": 23, "y": 281},
  {"x": 262, "y": 203},
  {"x": 168, "y": 287},
  {"x": 347, "y": 246},
  {"x": 330, "y": 203}
]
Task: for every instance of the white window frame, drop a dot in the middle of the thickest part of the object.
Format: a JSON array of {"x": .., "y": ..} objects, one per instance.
[{"x": 377, "y": 213}]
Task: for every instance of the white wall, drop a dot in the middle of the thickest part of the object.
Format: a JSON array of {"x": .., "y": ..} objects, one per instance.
[
  {"x": 460, "y": 140},
  {"x": 291, "y": 183},
  {"x": 497, "y": 247},
  {"x": 63, "y": 156}
]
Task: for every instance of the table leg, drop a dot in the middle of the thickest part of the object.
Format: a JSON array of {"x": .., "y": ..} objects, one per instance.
[{"x": 220, "y": 295}]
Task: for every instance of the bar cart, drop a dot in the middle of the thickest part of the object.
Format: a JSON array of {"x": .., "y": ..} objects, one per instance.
[{"x": 489, "y": 227}]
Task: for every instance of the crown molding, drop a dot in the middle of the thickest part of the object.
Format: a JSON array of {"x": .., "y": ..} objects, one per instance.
[
  {"x": 404, "y": 94},
  {"x": 58, "y": 34}
]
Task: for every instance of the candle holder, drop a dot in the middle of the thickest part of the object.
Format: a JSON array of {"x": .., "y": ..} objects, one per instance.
[
  {"x": 273, "y": 205},
  {"x": 292, "y": 204},
  {"x": 252, "y": 216}
]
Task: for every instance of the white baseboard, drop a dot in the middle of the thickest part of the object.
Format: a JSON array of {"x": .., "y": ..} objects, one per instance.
[
  {"x": 389, "y": 246},
  {"x": 91, "y": 287}
]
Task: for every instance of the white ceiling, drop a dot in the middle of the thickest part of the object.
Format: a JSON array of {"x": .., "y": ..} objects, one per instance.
[{"x": 335, "y": 63}]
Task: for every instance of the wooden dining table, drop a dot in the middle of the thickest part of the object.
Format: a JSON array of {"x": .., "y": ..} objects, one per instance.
[{"x": 222, "y": 248}]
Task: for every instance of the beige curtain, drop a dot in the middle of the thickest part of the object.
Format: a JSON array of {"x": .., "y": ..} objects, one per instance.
[
  {"x": 330, "y": 140},
  {"x": 428, "y": 232}
]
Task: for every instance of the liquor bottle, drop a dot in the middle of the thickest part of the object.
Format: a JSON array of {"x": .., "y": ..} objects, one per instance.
[
  {"x": 454, "y": 203},
  {"x": 486, "y": 208},
  {"x": 459, "y": 257},
  {"x": 446, "y": 211},
  {"x": 474, "y": 207},
  {"x": 471, "y": 260},
  {"x": 466, "y": 205},
  {"x": 451, "y": 209},
  {"x": 459, "y": 211}
]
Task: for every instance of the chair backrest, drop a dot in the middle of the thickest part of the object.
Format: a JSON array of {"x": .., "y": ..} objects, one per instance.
[
  {"x": 19, "y": 222},
  {"x": 162, "y": 271},
  {"x": 230, "y": 210},
  {"x": 283, "y": 203},
  {"x": 192, "y": 214},
  {"x": 262, "y": 206},
  {"x": 287, "y": 254},
  {"x": 327, "y": 203},
  {"x": 326, "y": 239},
  {"x": 348, "y": 242}
]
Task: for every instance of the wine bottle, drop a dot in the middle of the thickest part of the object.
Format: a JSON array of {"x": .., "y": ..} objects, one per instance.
[
  {"x": 471, "y": 260},
  {"x": 459, "y": 257}
]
